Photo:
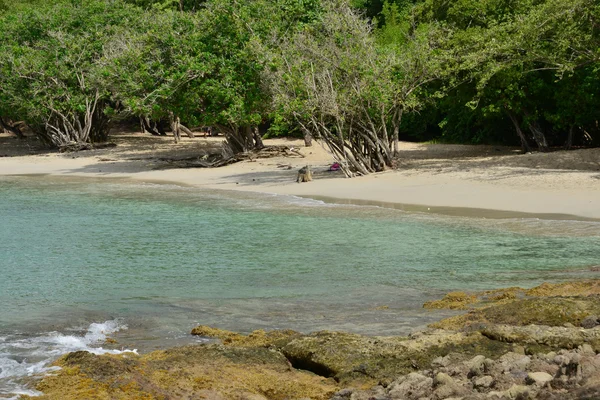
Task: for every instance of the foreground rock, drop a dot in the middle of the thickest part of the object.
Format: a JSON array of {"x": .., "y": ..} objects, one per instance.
[
  {"x": 549, "y": 311},
  {"x": 362, "y": 361},
  {"x": 509, "y": 346},
  {"x": 564, "y": 375},
  {"x": 191, "y": 372}
]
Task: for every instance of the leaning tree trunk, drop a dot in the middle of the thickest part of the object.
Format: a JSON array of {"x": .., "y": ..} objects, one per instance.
[
  {"x": 524, "y": 145},
  {"x": 239, "y": 139},
  {"x": 153, "y": 127},
  {"x": 147, "y": 126},
  {"x": 70, "y": 130},
  {"x": 186, "y": 130},
  {"x": 11, "y": 127}
]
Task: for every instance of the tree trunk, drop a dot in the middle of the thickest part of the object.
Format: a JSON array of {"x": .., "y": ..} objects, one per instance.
[
  {"x": 100, "y": 128},
  {"x": 70, "y": 130},
  {"x": 238, "y": 139},
  {"x": 152, "y": 127},
  {"x": 147, "y": 126},
  {"x": 524, "y": 145},
  {"x": 175, "y": 127},
  {"x": 11, "y": 127},
  {"x": 158, "y": 125},
  {"x": 397, "y": 122},
  {"x": 539, "y": 136},
  {"x": 569, "y": 143},
  {"x": 307, "y": 139},
  {"x": 187, "y": 131},
  {"x": 142, "y": 125},
  {"x": 258, "y": 143}
]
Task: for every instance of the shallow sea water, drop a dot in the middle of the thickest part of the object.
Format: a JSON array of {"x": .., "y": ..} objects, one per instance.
[{"x": 144, "y": 262}]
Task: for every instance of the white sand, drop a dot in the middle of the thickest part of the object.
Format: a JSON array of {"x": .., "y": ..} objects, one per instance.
[{"x": 431, "y": 176}]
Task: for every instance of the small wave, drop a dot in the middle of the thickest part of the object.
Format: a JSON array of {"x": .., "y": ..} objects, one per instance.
[{"x": 26, "y": 356}]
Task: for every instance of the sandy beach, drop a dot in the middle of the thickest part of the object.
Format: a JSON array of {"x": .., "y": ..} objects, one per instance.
[
  {"x": 490, "y": 181},
  {"x": 508, "y": 343}
]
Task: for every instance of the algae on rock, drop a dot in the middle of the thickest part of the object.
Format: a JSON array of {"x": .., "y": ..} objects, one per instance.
[
  {"x": 551, "y": 311},
  {"x": 183, "y": 372},
  {"x": 259, "y": 338}
]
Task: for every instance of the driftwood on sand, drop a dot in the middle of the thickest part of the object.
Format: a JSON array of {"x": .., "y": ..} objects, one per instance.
[{"x": 221, "y": 159}]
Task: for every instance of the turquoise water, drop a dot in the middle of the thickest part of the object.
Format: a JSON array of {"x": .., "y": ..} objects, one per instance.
[{"x": 161, "y": 259}]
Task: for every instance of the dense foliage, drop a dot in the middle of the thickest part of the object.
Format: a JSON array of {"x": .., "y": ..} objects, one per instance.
[{"x": 359, "y": 74}]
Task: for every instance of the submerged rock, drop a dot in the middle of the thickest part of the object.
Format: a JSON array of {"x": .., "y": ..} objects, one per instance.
[
  {"x": 259, "y": 338},
  {"x": 577, "y": 288},
  {"x": 551, "y": 311},
  {"x": 453, "y": 301},
  {"x": 545, "y": 337}
]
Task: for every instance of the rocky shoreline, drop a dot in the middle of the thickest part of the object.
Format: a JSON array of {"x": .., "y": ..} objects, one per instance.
[{"x": 540, "y": 343}]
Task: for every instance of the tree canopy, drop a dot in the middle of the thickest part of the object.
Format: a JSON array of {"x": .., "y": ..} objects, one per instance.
[{"x": 358, "y": 74}]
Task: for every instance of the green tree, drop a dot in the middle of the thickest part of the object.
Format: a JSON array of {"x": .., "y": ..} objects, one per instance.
[
  {"x": 512, "y": 56},
  {"x": 340, "y": 86},
  {"x": 49, "y": 68}
]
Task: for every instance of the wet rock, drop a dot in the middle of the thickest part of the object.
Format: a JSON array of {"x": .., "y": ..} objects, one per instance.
[
  {"x": 452, "y": 301},
  {"x": 213, "y": 371},
  {"x": 550, "y": 311},
  {"x": 538, "y": 378},
  {"x": 498, "y": 351},
  {"x": 259, "y": 338},
  {"x": 361, "y": 360},
  {"x": 578, "y": 288}
]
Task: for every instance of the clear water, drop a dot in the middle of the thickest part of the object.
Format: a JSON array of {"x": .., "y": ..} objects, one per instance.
[{"x": 145, "y": 262}]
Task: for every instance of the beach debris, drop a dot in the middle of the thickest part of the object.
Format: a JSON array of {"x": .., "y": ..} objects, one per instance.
[
  {"x": 335, "y": 167},
  {"x": 304, "y": 174},
  {"x": 217, "y": 158}
]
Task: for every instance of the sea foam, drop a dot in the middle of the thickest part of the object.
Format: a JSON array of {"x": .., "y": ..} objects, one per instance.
[{"x": 23, "y": 356}]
